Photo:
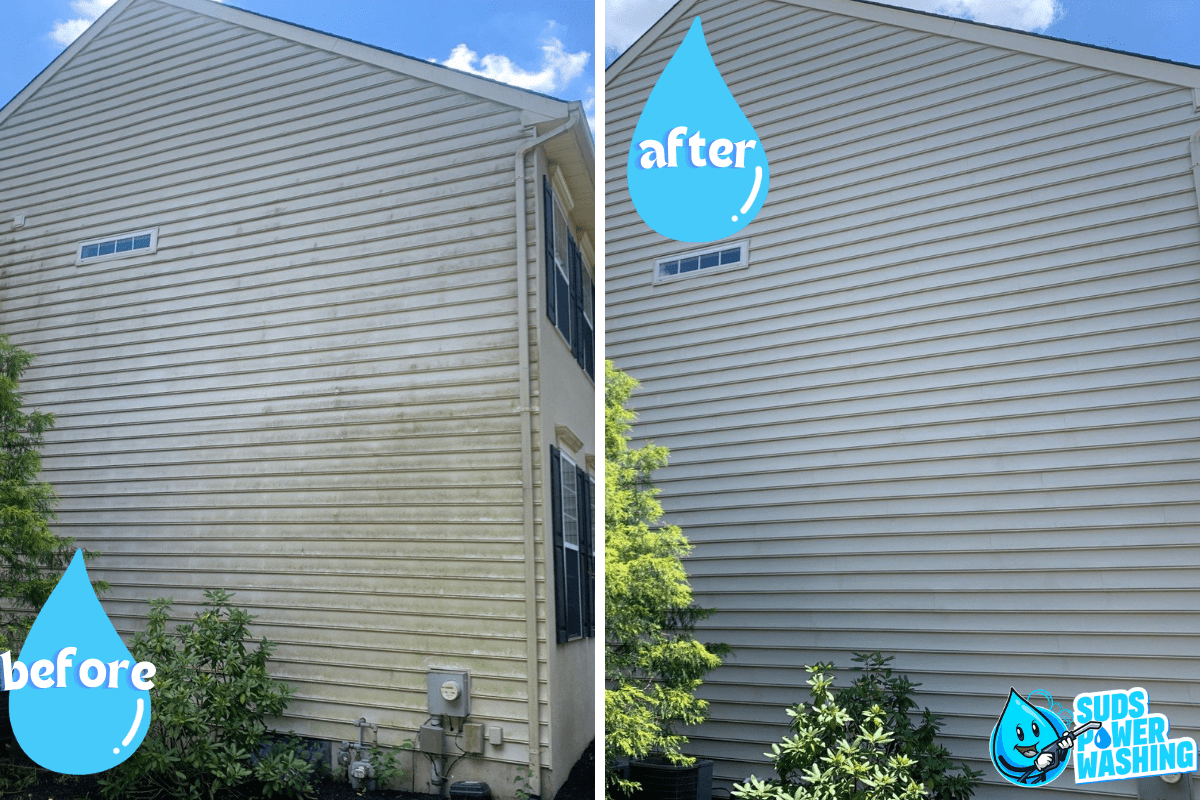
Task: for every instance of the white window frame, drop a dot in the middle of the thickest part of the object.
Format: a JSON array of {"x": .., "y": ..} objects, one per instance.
[
  {"x": 153, "y": 232},
  {"x": 742, "y": 263}
]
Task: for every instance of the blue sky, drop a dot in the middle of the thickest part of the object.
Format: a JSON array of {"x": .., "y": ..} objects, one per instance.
[
  {"x": 1167, "y": 29},
  {"x": 546, "y": 45}
]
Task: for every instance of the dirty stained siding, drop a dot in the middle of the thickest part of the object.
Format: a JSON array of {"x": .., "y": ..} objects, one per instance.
[
  {"x": 949, "y": 411},
  {"x": 308, "y": 396}
]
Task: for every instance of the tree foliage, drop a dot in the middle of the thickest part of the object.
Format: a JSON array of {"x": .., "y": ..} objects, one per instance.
[
  {"x": 653, "y": 663},
  {"x": 32, "y": 557}
]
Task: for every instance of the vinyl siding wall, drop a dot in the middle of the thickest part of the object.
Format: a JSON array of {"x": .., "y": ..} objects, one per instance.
[
  {"x": 949, "y": 412},
  {"x": 309, "y": 395}
]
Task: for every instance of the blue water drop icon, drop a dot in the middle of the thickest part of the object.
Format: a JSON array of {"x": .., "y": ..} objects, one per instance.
[
  {"x": 697, "y": 169},
  {"x": 1103, "y": 739},
  {"x": 70, "y": 727},
  {"x": 1022, "y": 733}
]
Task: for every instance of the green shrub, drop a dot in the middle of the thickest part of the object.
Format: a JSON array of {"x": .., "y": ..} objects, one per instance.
[
  {"x": 207, "y": 736},
  {"x": 861, "y": 745}
]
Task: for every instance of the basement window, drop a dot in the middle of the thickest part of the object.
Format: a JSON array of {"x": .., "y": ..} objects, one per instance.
[
  {"x": 122, "y": 245},
  {"x": 696, "y": 262}
]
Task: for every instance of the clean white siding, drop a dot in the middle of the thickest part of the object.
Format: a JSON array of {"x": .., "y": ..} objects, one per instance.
[
  {"x": 949, "y": 412},
  {"x": 308, "y": 396}
]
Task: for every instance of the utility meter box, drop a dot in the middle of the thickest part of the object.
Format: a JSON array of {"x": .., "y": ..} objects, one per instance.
[{"x": 449, "y": 693}]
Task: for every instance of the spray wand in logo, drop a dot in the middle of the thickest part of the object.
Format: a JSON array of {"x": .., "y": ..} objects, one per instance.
[{"x": 1055, "y": 753}]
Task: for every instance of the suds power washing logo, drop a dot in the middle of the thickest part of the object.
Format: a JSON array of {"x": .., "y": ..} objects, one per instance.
[{"x": 1112, "y": 736}]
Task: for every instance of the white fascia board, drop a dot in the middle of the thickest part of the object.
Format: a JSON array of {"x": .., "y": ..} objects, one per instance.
[
  {"x": 1070, "y": 52},
  {"x": 415, "y": 67},
  {"x": 64, "y": 57},
  {"x": 584, "y": 140}
]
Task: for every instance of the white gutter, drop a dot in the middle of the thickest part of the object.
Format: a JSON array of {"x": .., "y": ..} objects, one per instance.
[{"x": 526, "y": 411}]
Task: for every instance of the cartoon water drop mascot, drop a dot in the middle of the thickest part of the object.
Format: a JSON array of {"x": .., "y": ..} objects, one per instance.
[{"x": 1030, "y": 745}]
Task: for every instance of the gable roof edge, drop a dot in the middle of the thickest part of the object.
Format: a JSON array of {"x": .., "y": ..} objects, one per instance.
[
  {"x": 487, "y": 88},
  {"x": 1139, "y": 66},
  {"x": 63, "y": 58}
]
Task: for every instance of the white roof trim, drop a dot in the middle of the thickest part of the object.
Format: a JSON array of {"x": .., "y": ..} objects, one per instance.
[
  {"x": 461, "y": 81},
  {"x": 1085, "y": 55}
]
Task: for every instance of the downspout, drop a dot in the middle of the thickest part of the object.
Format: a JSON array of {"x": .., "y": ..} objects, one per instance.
[{"x": 526, "y": 411}]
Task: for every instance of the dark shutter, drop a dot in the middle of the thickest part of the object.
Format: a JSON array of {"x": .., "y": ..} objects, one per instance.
[
  {"x": 560, "y": 573},
  {"x": 551, "y": 287},
  {"x": 576, "y": 272},
  {"x": 587, "y": 564}
]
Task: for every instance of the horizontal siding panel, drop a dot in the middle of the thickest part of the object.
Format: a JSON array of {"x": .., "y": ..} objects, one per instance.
[
  {"x": 949, "y": 409},
  {"x": 308, "y": 396}
]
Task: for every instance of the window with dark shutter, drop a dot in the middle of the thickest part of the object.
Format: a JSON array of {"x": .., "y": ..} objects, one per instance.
[
  {"x": 570, "y": 290},
  {"x": 571, "y": 492}
]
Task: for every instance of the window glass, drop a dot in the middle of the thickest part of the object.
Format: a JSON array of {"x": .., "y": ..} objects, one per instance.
[
  {"x": 560, "y": 238},
  {"x": 130, "y": 244},
  {"x": 695, "y": 262},
  {"x": 570, "y": 503}
]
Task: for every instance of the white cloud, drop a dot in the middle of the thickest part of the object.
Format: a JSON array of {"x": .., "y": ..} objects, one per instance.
[
  {"x": 66, "y": 32},
  {"x": 626, "y": 20},
  {"x": 1025, "y": 15},
  {"x": 557, "y": 70},
  {"x": 89, "y": 11}
]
